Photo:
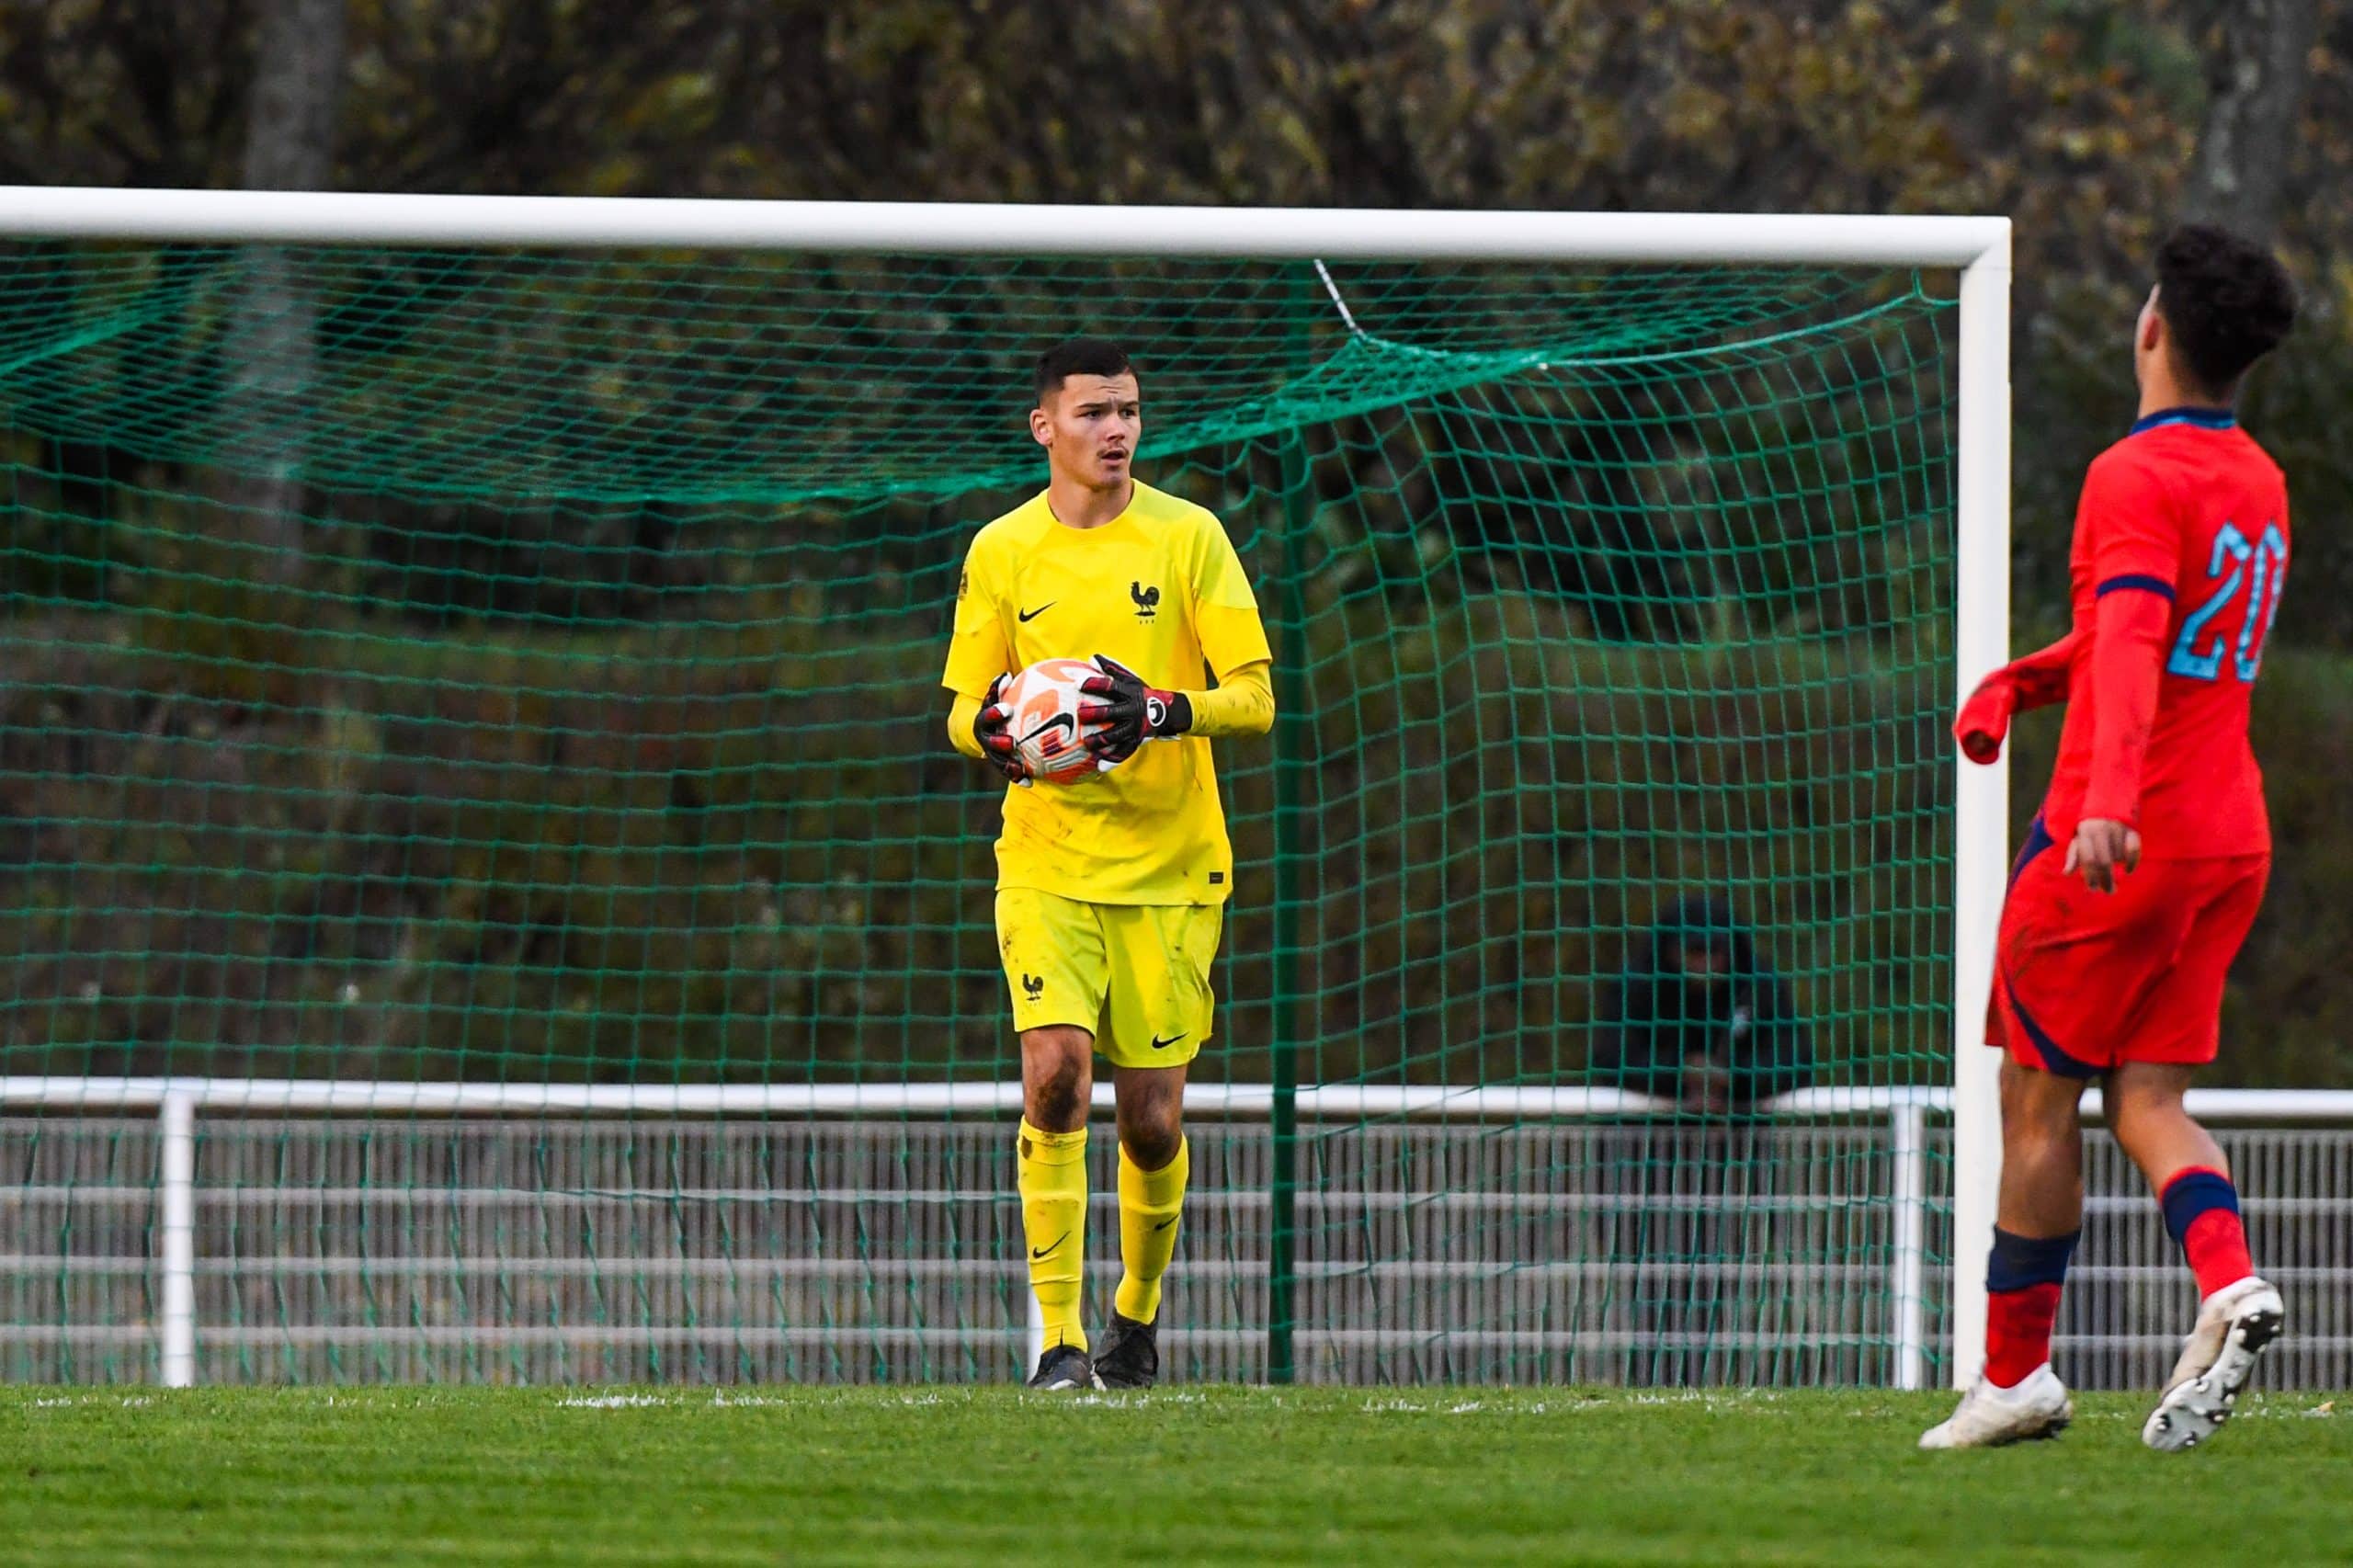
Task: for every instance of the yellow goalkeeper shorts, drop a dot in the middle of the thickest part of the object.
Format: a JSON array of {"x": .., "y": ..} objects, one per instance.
[{"x": 1135, "y": 974}]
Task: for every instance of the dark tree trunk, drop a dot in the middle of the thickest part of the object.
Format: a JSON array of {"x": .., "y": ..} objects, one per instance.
[
  {"x": 2256, "y": 82},
  {"x": 290, "y": 145}
]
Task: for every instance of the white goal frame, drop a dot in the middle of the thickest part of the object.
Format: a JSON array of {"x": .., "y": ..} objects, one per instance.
[{"x": 1979, "y": 247}]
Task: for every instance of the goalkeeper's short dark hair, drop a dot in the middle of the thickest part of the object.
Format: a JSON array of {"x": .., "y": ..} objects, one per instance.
[
  {"x": 2226, "y": 300},
  {"x": 1079, "y": 356}
]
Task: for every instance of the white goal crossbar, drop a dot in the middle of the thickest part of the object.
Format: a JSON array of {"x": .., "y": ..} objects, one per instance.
[
  {"x": 1979, "y": 247},
  {"x": 272, "y": 217}
]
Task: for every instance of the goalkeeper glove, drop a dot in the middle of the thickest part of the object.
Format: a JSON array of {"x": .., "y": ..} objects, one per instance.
[
  {"x": 991, "y": 728},
  {"x": 1130, "y": 713}
]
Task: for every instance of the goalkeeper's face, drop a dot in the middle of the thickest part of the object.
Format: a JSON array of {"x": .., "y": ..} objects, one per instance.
[{"x": 1089, "y": 426}]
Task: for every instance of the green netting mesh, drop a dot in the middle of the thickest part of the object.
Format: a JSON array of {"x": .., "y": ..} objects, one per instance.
[{"x": 511, "y": 668}]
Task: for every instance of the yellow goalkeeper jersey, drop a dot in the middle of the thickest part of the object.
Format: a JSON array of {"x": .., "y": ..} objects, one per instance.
[{"x": 1160, "y": 589}]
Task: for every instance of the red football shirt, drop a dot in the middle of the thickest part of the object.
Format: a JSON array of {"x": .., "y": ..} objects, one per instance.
[{"x": 2180, "y": 552}]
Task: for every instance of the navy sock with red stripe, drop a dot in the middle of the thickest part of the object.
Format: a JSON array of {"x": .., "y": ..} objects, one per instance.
[
  {"x": 2023, "y": 1274},
  {"x": 2201, "y": 1210}
]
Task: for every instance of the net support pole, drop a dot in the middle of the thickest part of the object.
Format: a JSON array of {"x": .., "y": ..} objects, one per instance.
[
  {"x": 175, "y": 1238},
  {"x": 1294, "y": 741},
  {"x": 1981, "y": 797},
  {"x": 1908, "y": 1127}
]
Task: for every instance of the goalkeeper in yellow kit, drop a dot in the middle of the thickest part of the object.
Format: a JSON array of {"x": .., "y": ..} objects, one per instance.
[{"x": 1110, "y": 890}]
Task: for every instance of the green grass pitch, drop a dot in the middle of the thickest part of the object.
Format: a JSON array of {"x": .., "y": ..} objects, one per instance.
[{"x": 1181, "y": 1475}]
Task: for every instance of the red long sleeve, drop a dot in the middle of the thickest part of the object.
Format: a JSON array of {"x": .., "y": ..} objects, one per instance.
[
  {"x": 2036, "y": 680},
  {"x": 2040, "y": 677},
  {"x": 2128, "y": 652}
]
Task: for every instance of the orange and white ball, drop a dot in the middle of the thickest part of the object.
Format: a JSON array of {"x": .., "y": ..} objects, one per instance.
[{"x": 1043, "y": 701}]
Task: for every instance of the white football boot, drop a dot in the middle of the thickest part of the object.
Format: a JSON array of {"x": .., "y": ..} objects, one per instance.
[
  {"x": 2233, "y": 1325},
  {"x": 1988, "y": 1418}
]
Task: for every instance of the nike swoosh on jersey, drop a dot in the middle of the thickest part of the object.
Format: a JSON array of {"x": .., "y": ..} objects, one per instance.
[
  {"x": 1028, "y": 614},
  {"x": 1160, "y": 1044}
]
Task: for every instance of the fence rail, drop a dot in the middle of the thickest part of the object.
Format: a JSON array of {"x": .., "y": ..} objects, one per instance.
[{"x": 310, "y": 1230}]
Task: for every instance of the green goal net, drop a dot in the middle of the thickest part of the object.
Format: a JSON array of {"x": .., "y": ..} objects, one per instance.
[{"x": 518, "y": 671}]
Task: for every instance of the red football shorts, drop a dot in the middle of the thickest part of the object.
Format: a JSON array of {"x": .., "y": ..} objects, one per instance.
[{"x": 2084, "y": 981}]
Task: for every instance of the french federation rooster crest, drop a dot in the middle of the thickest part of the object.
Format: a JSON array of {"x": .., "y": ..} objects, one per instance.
[{"x": 1147, "y": 600}]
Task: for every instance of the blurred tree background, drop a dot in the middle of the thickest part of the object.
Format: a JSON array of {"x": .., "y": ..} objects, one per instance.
[{"x": 2092, "y": 125}]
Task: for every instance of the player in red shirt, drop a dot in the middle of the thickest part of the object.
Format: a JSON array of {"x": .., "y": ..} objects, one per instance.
[{"x": 2139, "y": 880}]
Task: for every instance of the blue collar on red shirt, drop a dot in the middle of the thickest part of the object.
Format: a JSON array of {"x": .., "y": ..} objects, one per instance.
[{"x": 2188, "y": 414}]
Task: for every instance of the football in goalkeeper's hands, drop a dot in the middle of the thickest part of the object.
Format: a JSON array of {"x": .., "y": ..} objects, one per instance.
[{"x": 1043, "y": 701}]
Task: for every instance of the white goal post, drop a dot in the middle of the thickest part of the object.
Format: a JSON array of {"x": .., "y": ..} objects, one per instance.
[{"x": 1978, "y": 247}]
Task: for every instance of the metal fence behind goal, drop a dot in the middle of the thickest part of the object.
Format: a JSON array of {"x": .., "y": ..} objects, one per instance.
[{"x": 242, "y": 1245}]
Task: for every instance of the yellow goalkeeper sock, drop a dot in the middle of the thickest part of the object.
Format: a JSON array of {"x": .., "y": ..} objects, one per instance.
[
  {"x": 1151, "y": 1202},
  {"x": 1051, "y": 1173}
]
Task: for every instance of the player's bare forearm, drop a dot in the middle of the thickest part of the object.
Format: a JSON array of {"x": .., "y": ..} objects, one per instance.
[{"x": 1244, "y": 704}]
